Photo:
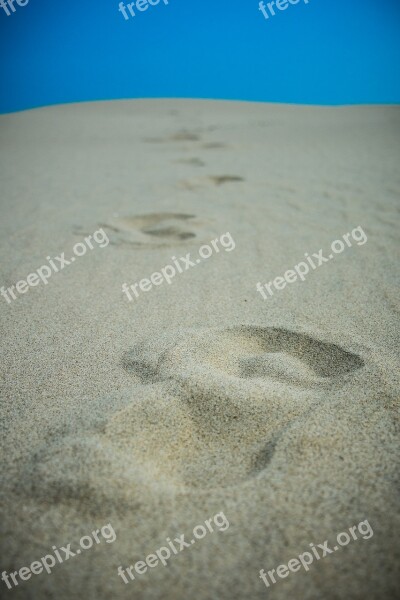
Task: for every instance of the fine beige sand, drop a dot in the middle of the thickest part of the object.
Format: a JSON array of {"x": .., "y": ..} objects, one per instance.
[{"x": 199, "y": 396}]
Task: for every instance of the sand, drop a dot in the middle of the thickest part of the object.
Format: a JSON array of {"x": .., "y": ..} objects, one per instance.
[{"x": 199, "y": 396}]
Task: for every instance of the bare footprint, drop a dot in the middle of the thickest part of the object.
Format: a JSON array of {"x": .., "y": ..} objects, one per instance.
[
  {"x": 238, "y": 390},
  {"x": 184, "y": 136},
  {"x": 193, "y": 162},
  {"x": 180, "y": 136},
  {"x": 154, "y": 229},
  {"x": 215, "y": 146},
  {"x": 207, "y": 409},
  {"x": 204, "y": 182},
  {"x": 256, "y": 352}
]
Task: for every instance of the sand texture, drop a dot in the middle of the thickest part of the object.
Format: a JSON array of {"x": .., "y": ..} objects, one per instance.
[{"x": 199, "y": 396}]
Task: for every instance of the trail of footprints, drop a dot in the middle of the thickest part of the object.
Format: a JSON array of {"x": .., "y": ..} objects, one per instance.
[
  {"x": 185, "y": 424},
  {"x": 161, "y": 229}
]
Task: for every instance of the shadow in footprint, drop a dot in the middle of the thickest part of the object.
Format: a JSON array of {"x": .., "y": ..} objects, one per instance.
[
  {"x": 264, "y": 456},
  {"x": 288, "y": 355},
  {"x": 220, "y": 179}
]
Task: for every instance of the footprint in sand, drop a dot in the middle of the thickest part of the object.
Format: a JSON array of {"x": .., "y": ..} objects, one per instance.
[
  {"x": 188, "y": 137},
  {"x": 156, "y": 229},
  {"x": 193, "y": 162},
  {"x": 220, "y": 179},
  {"x": 180, "y": 136},
  {"x": 215, "y": 146},
  {"x": 207, "y": 410},
  {"x": 204, "y": 182},
  {"x": 249, "y": 352},
  {"x": 235, "y": 390}
]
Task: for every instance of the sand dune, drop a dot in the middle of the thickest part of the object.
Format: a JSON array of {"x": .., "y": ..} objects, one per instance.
[{"x": 199, "y": 396}]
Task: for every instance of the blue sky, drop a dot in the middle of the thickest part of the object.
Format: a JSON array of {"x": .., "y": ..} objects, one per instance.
[{"x": 324, "y": 52}]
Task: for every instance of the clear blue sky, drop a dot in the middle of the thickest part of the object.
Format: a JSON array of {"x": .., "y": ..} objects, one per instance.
[{"x": 324, "y": 52}]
